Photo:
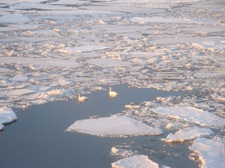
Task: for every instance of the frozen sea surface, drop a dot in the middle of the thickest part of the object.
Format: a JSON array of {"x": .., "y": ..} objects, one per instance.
[{"x": 54, "y": 50}]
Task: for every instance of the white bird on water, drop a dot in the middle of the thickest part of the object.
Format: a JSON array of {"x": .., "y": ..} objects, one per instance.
[
  {"x": 112, "y": 93},
  {"x": 81, "y": 98}
]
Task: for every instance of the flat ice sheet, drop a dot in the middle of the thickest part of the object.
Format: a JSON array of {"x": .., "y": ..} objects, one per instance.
[
  {"x": 187, "y": 134},
  {"x": 47, "y": 62},
  {"x": 136, "y": 161},
  {"x": 6, "y": 116},
  {"x": 14, "y": 18},
  {"x": 104, "y": 62},
  {"x": 191, "y": 114},
  {"x": 113, "y": 126},
  {"x": 211, "y": 152},
  {"x": 144, "y": 20}
]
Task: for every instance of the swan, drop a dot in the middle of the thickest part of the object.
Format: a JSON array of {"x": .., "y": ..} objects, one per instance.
[
  {"x": 82, "y": 98},
  {"x": 112, "y": 93}
]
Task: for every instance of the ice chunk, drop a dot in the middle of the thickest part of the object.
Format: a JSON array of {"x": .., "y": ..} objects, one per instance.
[
  {"x": 136, "y": 161},
  {"x": 191, "y": 114},
  {"x": 211, "y": 152},
  {"x": 113, "y": 126},
  {"x": 187, "y": 134},
  {"x": 6, "y": 116},
  {"x": 104, "y": 62},
  {"x": 14, "y": 18},
  {"x": 121, "y": 152}
]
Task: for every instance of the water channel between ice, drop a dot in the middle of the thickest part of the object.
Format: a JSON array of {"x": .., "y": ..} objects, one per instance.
[{"x": 39, "y": 139}]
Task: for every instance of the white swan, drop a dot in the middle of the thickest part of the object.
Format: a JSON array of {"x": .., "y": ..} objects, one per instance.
[
  {"x": 81, "y": 98},
  {"x": 112, "y": 93}
]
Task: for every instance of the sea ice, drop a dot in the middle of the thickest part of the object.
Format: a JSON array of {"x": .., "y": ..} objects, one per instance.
[
  {"x": 136, "y": 161},
  {"x": 191, "y": 114},
  {"x": 105, "y": 63},
  {"x": 6, "y": 116},
  {"x": 144, "y": 20},
  {"x": 45, "y": 62},
  {"x": 113, "y": 126},
  {"x": 14, "y": 18},
  {"x": 187, "y": 134},
  {"x": 121, "y": 152},
  {"x": 211, "y": 152},
  {"x": 88, "y": 48},
  {"x": 69, "y": 2}
]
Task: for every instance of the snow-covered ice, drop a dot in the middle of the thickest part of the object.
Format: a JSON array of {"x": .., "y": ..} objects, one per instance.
[
  {"x": 6, "y": 116},
  {"x": 211, "y": 152},
  {"x": 136, "y": 161},
  {"x": 113, "y": 126},
  {"x": 191, "y": 114},
  {"x": 188, "y": 134}
]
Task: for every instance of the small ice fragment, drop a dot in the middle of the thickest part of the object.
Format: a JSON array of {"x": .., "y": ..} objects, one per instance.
[
  {"x": 136, "y": 161},
  {"x": 6, "y": 116},
  {"x": 187, "y": 134},
  {"x": 121, "y": 152},
  {"x": 113, "y": 126}
]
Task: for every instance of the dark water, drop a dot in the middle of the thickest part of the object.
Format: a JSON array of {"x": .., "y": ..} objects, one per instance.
[{"x": 38, "y": 139}]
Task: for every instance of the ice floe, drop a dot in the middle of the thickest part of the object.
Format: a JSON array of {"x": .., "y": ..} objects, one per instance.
[
  {"x": 188, "y": 134},
  {"x": 14, "y": 18},
  {"x": 192, "y": 115},
  {"x": 45, "y": 62},
  {"x": 104, "y": 62},
  {"x": 211, "y": 152},
  {"x": 113, "y": 126},
  {"x": 143, "y": 20},
  {"x": 6, "y": 116},
  {"x": 136, "y": 161}
]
